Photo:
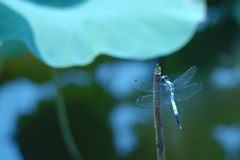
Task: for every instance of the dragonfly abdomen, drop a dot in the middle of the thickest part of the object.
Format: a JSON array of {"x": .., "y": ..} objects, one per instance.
[{"x": 175, "y": 111}]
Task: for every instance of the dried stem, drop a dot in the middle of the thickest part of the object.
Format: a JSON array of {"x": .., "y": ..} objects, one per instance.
[
  {"x": 63, "y": 119},
  {"x": 157, "y": 115}
]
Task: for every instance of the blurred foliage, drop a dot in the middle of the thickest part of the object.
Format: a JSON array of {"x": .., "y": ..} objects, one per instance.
[
  {"x": 58, "y": 3},
  {"x": 88, "y": 124},
  {"x": 77, "y": 34}
]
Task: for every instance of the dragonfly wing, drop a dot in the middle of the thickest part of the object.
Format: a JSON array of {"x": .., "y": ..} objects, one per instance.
[
  {"x": 145, "y": 86},
  {"x": 185, "y": 78},
  {"x": 186, "y": 92},
  {"x": 147, "y": 101}
]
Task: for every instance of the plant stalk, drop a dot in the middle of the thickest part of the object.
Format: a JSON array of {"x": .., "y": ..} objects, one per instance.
[
  {"x": 157, "y": 115},
  {"x": 63, "y": 119},
  {"x": 1, "y": 63},
  {"x": 2, "y": 57}
]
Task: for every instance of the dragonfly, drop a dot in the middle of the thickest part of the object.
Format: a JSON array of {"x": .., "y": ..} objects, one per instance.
[{"x": 169, "y": 92}]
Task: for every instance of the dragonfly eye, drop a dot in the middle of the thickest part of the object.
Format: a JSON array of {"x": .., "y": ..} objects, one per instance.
[{"x": 164, "y": 78}]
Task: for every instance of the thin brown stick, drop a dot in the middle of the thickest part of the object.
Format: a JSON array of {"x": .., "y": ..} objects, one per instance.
[{"x": 157, "y": 115}]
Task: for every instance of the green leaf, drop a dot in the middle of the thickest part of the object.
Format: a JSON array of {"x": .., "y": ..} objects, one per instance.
[{"x": 74, "y": 36}]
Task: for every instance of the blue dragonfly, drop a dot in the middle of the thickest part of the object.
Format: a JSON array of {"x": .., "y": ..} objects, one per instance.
[{"x": 169, "y": 91}]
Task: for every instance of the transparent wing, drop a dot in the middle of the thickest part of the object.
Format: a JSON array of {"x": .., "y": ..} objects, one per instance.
[
  {"x": 146, "y": 86},
  {"x": 186, "y": 92},
  {"x": 147, "y": 101},
  {"x": 185, "y": 78}
]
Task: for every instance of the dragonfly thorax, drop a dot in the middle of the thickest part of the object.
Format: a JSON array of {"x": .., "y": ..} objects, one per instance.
[{"x": 168, "y": 85}]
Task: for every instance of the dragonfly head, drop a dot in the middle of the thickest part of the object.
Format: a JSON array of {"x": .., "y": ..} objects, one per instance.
[{"x": 164, "y": 78}]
